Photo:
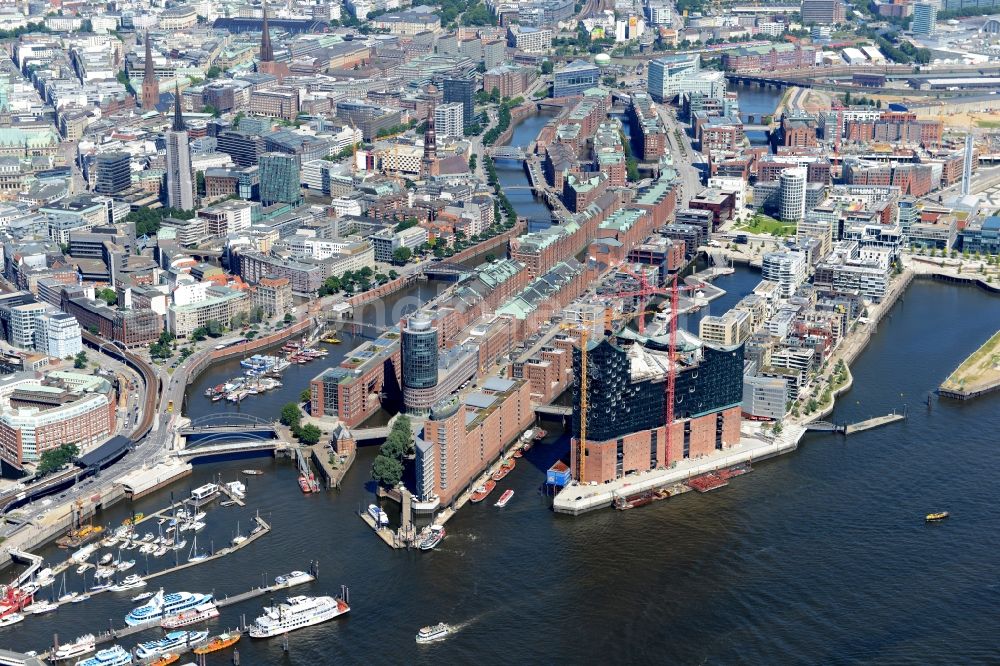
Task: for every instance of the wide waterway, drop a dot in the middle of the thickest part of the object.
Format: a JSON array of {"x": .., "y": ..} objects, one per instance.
[{"x": 819, "y": 556}]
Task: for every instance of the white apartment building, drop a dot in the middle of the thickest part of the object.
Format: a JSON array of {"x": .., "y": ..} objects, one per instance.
[
  {"x": 449, "y": 121},
  {"x": 786, "y": 268}
]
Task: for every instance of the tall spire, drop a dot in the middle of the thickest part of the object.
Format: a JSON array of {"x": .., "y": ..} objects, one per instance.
[
  {"x": 149, "y": 74},
  {"x": 266, "y": 51},
  {"x": 150, "y": 86},
  {"x": 178, "y": 116}
]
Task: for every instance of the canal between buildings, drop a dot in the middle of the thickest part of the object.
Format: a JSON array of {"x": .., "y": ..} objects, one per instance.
[{"x": 821, "y": 555}]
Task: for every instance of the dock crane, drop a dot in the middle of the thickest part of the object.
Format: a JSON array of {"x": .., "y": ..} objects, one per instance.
[{"x": 584, "y": 328}]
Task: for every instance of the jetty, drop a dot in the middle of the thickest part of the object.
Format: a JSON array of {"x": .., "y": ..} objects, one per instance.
[{"x": 860, "y": 426}]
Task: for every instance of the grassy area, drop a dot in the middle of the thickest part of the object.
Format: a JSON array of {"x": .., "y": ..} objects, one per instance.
[
  {"x": 763, "y": 224},
  {"x": 982, "y": 364},
  {"x": 988, "y": 124}
]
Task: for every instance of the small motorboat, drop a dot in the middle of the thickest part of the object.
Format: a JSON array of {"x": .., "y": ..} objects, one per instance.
[
  {"x": 82, "y": 597},
  {"x": 436, "y": 633},
  {"x": 935, "y": 517},
  {"x": 502, "y": 502},
  {"x": 40, "y": 607},
  {"x": 143, "y": 596},
  {"x": 82, "y": 568},
  {"x": 66, "y": 598}
]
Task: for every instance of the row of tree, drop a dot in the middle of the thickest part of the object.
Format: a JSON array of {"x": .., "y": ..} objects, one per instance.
[
  {"x": 291, "y": 416},
  {"x": 387, "y": 468}
]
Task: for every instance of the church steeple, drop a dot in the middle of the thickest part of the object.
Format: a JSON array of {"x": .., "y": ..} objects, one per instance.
[
  {"x": 150, "y": 86},
  {"x": 178, "y": 116},
  {"x": 266, "y": 51}
]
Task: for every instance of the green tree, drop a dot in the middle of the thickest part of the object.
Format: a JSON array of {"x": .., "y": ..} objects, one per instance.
[
  {"x": 289, "y": 318},
  {"x": 213, "y": 72},
  {"x": 547, "y": 67},
  {"x": 108, "y": 295},
  {"x": 80, "y": 360},
  {"x": 305, "y": 395},
  {"x": 56, "y": 458},
  {"x": 309, "y": 434},
  {"x": 401, "y": 255},
  {"x": 291, "y": 415},
  {"x": 388, "y": 472}
]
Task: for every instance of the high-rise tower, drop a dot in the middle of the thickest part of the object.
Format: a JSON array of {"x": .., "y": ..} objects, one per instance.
[
  {"x": 180, "y": 184},
  {"x": 150, "y": 86}
]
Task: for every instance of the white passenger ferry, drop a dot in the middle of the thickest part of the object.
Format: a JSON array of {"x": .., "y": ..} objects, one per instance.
[{"x": 296, "y": 613}]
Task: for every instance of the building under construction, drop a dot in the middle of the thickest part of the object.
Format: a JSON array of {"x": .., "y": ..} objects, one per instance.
[{"x": 627, "y": 388}]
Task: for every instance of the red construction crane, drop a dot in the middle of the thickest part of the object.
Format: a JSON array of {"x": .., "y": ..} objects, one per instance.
[
  {"x": 645, "y": 291},
  {"x": 675, "y": 290}
]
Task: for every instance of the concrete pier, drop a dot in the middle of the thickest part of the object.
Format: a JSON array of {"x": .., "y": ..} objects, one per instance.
[
  {"x": 575, "y": 499},
  {"x": 876, "y": 422}
]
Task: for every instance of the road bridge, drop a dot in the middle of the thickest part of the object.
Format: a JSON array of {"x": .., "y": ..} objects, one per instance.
[
  {"x": 506, "y": 153},
  {"x": 444, "y": 270},
  {"x": 223, "y": 427},
  {"x": 255, "y": 446}
]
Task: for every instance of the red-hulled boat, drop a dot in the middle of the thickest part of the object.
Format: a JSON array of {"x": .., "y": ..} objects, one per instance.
[
  {"x": 504, "y": 470},
  {"x": 305, "y": 485},
  {"x": 483, "y": 491}
]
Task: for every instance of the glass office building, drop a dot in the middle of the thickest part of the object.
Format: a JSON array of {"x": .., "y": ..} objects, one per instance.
[{"x": 279, "y": 179}]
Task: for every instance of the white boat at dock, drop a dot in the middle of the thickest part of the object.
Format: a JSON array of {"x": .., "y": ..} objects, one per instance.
[
  {"x": 125, "y": 566},
  {"x": 83, "y": 645},
  {"x": 381, "y": 517},
  {"x": 143, "y": 596},
  {"x": 251, "y": 472},
  {"x": 296, "y": 613},
  {"x": 171, "y": 641},
  {"x": 200, "y": 613},
  {"x": 106, "y": 559},
  {"x": 10, "y": 618},
  {"x": 81, "y": 598},
  {"x": 84, "y": 553},
  {"x": 40, "y": 607},
  {"x": 129, "y": 583},
  {"x": 115, "y": 655},
  {"x": 82, "y": 568},
  {"x": 293, "y": 578},
  {"x": 68, "y": 597}
]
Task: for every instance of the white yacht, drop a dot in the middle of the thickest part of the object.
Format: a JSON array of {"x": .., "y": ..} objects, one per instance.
[
  {"x": 129, "y": 583},
  {"x": 84, "y": 553},
  {"x": 174, "y": 639},
  {"x": 296, "y": 613},
  {"x": 164, "y": 606},
  {"x": 113, "y": 656},
  {"x": 40, "y": 607},
  {"x": 81, "y": 646},
  {"x": 294, "y": 578}
]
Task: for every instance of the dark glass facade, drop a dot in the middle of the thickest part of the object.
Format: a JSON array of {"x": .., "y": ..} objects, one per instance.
[
  {"x": 618, "y": 406},
  {"x": 420, "y": 353}
]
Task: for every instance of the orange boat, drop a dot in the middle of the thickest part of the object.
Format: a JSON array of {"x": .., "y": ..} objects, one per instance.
[
  {"x": 168, "y": 658},
  {"x": 504, "y": 469},
  {"x": 220, "y": 642},
  {"x": 483, "y": 491}
]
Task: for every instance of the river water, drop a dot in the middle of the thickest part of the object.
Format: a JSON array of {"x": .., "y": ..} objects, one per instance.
[{"x": 819, "y": 556}]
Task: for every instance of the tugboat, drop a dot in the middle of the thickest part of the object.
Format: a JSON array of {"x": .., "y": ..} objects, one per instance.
[
  {"x": 435, "y": 537},
  {"x": 483, "y": 491},
  {"x": 436, "y": 633},
  {"x": 502, "y": 502}
]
